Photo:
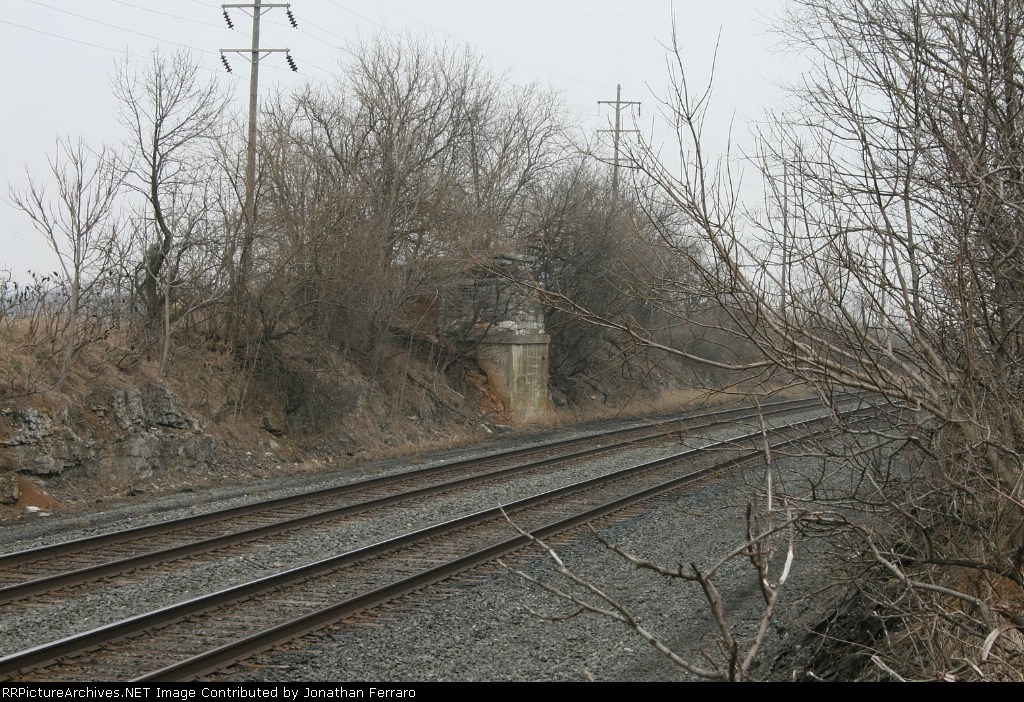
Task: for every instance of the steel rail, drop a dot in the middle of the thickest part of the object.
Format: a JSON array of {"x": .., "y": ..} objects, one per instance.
[
  {"x": 118, "y": 536},
  {"x": 131, "y": 626},
  {"x": 217, "y": 658},
  {"x": 90, "y": 573}
]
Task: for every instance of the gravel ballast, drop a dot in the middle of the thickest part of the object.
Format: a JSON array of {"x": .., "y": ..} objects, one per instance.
[
  {"x": 492, "y": 626},
  {"x": 480, "y": 629}
]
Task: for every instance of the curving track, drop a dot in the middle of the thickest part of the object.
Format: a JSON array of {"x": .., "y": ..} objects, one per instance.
[
  {"x": 176, "y": 642},
  {"x": 69, "y": 563}
]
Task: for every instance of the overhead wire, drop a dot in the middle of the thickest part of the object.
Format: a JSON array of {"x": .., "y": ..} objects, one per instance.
[
  {"x": 109, "y": 49},
  {"x": 343, "y": 45},
  {"x": 135, "y": 32},
  {"x": 490, "y": 51},
  {"x": 71, "y": 39},
  {"x": 589, "y": 110},
  {"x": 168, "y": 14},
  {"x": 122, "y": 29}
]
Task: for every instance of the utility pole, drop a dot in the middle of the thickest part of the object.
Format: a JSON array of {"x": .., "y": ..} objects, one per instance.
[
  {"x": 255, "y": 53},
  {"x": 620, "y": 105},
  {"x": 786, "y": 282}
]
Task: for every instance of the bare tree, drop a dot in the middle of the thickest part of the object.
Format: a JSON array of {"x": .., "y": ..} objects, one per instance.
[
  {"x": 735, "y": 656},
  {"x": 900, "y": 225},
  {"x": 380, "y": 188},
  {"x": 173, "y": 117},
  {"x": 888, "y": 260},
  {"x": 77, "y": 221},
  {"x": 175, "y": 121}
]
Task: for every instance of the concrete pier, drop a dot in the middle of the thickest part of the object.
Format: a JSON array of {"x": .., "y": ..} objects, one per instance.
[
  {"x": 517, "y": 371},
  {"x": 498, "y": 313}
]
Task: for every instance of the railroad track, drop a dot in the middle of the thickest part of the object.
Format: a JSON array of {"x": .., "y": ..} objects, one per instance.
[
  {"x": 174, "y": 642},
  {"x": 55, "y": 568}
]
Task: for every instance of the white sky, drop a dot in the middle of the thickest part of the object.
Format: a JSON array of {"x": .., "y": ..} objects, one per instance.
[{"x": 58, "y": 55}]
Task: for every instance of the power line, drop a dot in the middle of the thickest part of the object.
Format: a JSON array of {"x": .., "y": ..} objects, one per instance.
[
  {"x": 64, "y": 38},
  {"x": 114, "y": 26},
  {"x": 256, "y": 54},
  {"x": 119, "y": 28},
  {"x": 118, "y": 52},
  {"x": 166, "y": 14},
  {"x": 620, "y": 105},
  {"x": 353, "y": 12},
  {"x": 384, "y": 28},
  {"x": 314, "y": 37},
  {"x": 495, "y": 53}
]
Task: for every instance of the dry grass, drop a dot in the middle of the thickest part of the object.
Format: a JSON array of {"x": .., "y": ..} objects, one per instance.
[
  {"x": 27, "y": 367},
  {"x": 410, "y": 410}
]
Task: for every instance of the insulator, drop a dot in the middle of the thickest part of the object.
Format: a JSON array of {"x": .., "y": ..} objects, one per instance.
[
  {"x": 291, "y": 62},
  {"x": 224, "y": 60},
  {"x": 291, "y": 18},
  {"x": 227, "y": 18}
]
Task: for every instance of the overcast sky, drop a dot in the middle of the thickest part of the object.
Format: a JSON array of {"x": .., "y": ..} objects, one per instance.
[{"x": 58, "y": 55}]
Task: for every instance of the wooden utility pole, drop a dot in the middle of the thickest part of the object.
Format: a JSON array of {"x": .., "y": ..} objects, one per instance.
[
  {"x": 786, "y": 281},
  {"x": 620, "y": 105},
  {"x": 250, "y": 149},
  {"x": 257, "y": 8}
]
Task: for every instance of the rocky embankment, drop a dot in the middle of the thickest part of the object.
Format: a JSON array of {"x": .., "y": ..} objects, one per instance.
[{"x": 135, "y": 435}]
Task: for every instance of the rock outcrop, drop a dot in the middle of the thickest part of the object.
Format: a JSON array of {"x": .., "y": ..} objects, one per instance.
[{"x": 137, "y": 434}]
